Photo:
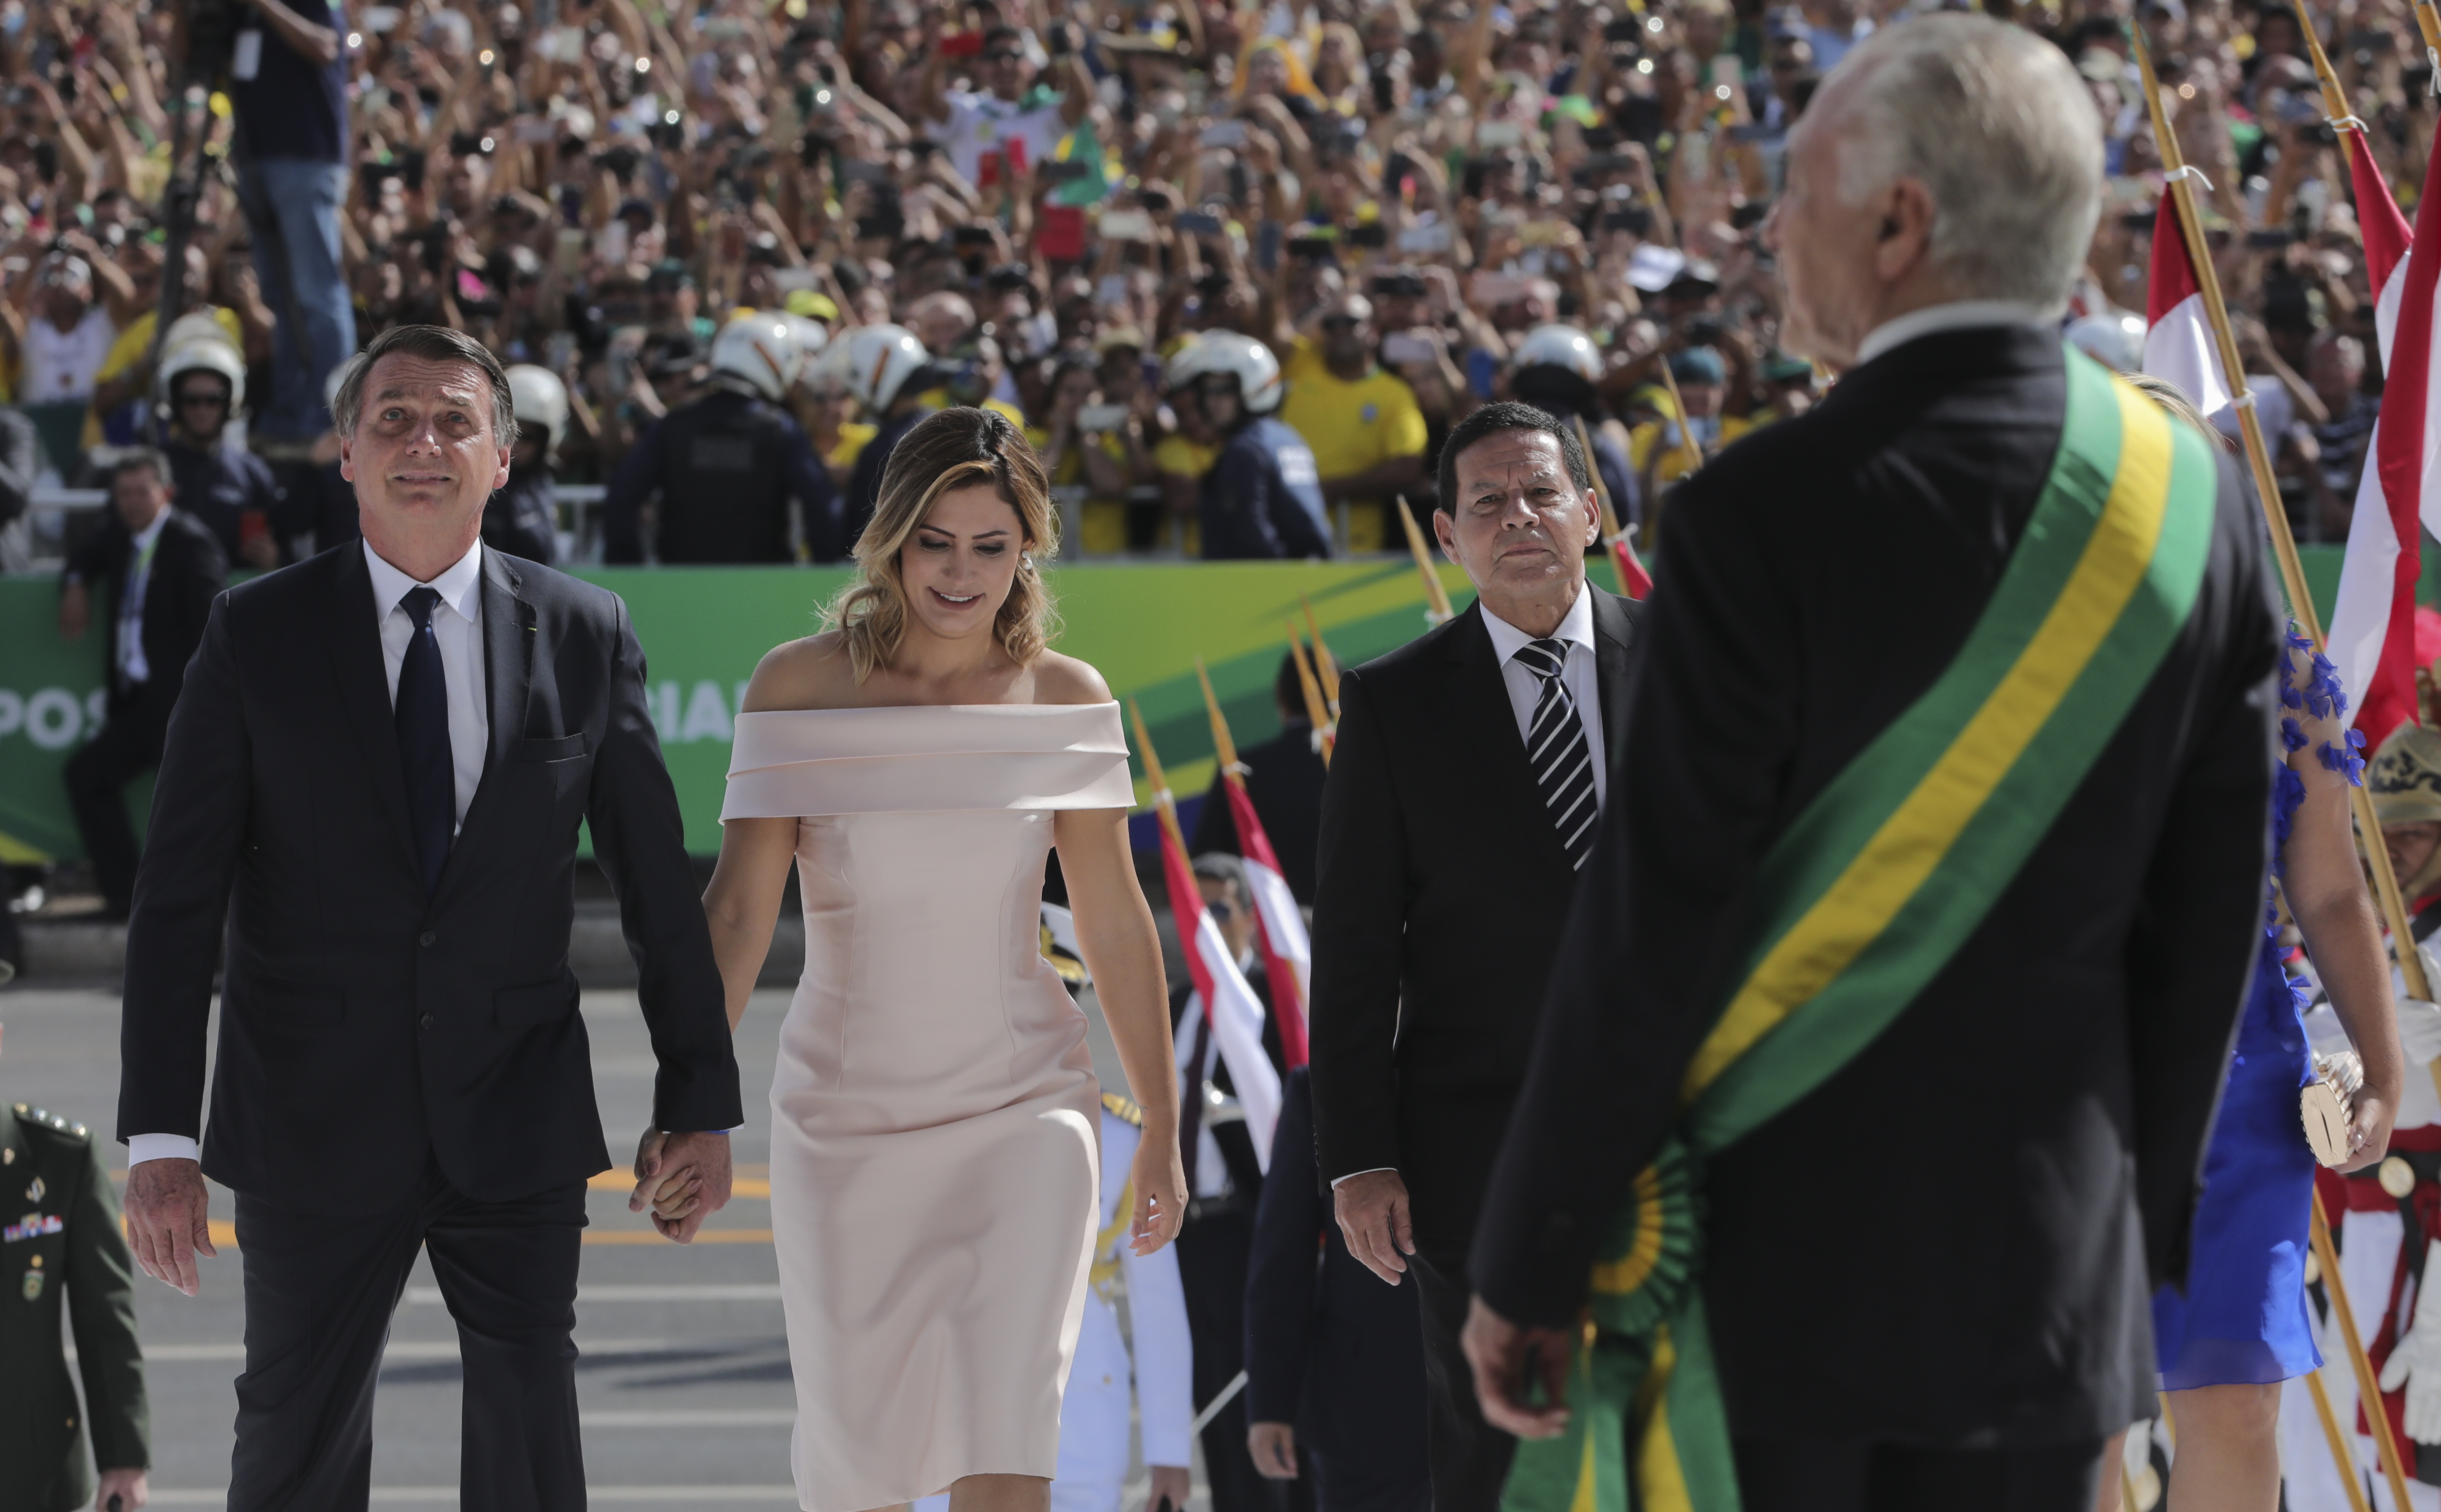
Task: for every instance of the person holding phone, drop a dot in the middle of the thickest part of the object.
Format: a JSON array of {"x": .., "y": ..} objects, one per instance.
[{"x": 1011, "y": 119}]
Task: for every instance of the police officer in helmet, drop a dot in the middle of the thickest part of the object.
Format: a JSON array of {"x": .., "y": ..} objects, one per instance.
[
  {"x": 522, "y": 519},
  {"x": 1555, "y": 368},
  {"x": 726, "y": 465},
  {"x": 1263, "y": 495},
  {"x": 202, "y": 388}
]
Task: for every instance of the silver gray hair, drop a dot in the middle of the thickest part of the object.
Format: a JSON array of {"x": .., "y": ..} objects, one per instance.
[
  {"x": 1995, "y": 124},
  {"x": 432, "y": 344}
]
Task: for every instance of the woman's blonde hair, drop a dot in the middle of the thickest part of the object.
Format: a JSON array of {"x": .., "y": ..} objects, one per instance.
[
  {"x": 950, "y": 448},
  {"x": 2174, "y": 402}
]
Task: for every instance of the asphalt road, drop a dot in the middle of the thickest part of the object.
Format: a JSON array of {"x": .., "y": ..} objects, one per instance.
[{"x": 683, "y": 1368}]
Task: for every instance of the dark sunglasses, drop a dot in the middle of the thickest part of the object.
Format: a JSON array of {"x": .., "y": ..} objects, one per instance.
[
  {"x": 1003, "y": 57},
  {"x": 1222, "y": 912},
  {"x": 1340, "y": 322},
  {"x": 198, "y": 401}
]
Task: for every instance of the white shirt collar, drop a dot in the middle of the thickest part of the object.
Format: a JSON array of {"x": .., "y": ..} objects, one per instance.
[
  {"x": 456, "y": 584},
  {"x": 1959, "y": 315},
  {"x": 1576, "y": 627},
  {"x": 145, "y": 537}
]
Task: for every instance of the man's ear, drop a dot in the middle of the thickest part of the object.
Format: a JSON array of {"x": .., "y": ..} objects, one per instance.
[
  {"x": 1906, "y": 234},
  {"x": 347, "y": 458},
  {"x": 1445, "y": 532}
]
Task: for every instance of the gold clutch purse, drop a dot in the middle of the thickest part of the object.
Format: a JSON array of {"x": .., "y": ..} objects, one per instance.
[{"x": 2327, "y": 1105}]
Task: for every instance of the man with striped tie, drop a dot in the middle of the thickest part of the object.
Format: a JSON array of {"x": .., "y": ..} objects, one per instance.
[{"x": 1470, "y": 769}]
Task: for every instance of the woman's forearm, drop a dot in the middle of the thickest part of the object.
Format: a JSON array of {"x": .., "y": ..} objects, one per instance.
[{"x": 1123, "y": 954}]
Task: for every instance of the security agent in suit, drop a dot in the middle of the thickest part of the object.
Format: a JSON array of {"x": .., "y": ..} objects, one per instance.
[
  {"x": 1334, "y": 1362},
  {"x": 1224, "y": 1181},
  {"x": 375, "y": 776},
  {"x": 1822, "y": 574},
  {"x": 60, "y": 1234},
  {"x": 1460, "y": 803},
  {"x": 162, "y": 569},
  {"x": 1284, "y": 779}
]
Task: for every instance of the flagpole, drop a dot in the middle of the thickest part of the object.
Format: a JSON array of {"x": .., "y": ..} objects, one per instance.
[
  {"x": 2335, "y": 100},
  {"x": 1314, "y": 707},
  {"x": 1436, "y": 600},
  {"x": 1623, "y": 557},
  {"x": 2338, "y": 1441},
  {"x": 2276, "y": 519},
  {"x": 1164, "y": 802},
  {"x": 1326, "y": 666},
  {"x": 1234, "y": 773},
  {"x": 2300, "y": 604}
]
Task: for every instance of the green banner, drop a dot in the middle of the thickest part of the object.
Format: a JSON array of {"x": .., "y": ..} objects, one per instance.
[{"x": 704, "y": 628}]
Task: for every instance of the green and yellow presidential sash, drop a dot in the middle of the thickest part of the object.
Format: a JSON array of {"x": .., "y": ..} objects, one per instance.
[{"x": 1868, "y": 897}]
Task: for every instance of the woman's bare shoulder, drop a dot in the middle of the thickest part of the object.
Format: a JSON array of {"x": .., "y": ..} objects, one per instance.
[
  {"x": 814, "y": 672},
  {"x": 1059, "y": 679}
]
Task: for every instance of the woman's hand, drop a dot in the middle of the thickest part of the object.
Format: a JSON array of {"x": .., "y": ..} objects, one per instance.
[
  {"x": 2369, "y": 1131},
  {"x": 1160, "y": 1179}
]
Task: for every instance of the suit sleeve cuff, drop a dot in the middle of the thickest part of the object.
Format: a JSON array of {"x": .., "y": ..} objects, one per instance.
[
  {"x": 143, "y": 1147},
  {"x": 1353, "y": 1175}
]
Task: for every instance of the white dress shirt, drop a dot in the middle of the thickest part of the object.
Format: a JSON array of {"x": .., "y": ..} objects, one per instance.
[
  {"x": 1959, "y": 315},
  {"x": 457, "y": 624},
  {"x": 1579, "y": 673},
  {"x": 1584, "y": 677},
  {"x": 132, "y": 664}
]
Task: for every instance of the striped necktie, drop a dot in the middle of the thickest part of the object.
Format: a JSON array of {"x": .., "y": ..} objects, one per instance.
[{"x": 1557, "y": 750}]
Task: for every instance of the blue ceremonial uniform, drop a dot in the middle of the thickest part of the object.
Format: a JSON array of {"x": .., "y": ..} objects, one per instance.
[
  {"x": 1263, "y": 498},
  {"x": 218, "y": 484},
  {"x": 725, "y": 467}
]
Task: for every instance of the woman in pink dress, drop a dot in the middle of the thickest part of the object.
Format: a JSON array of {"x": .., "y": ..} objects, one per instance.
[{"x": 934, "y": 1113}]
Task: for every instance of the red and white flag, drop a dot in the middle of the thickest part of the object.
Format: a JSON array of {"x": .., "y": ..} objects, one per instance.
[
  {"x": 1288, "y": 951},
  {"x": 1228, "y": 1000},
  {"x": 2178, "y": 334},
  {"x": 2373, "y": 625}
]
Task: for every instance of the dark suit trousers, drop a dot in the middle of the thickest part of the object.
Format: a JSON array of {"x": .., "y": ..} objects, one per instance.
[
  {"x": 1212, "y": 1258},
  {"x": 1470, "y": 1456},
  {"x": 1822, "y": 1476},
  {"x": 319, "y": 1292},
  {"x": 97, "y": 776}
]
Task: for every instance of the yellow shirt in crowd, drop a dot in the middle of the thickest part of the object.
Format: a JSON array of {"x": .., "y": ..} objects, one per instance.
[{"x": 1352, "y": 427}]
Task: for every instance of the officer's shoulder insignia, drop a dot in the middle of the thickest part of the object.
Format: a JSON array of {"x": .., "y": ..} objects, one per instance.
[{"x": 1119, "y": 1107}]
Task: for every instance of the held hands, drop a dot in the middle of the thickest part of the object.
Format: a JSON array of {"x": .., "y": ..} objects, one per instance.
[
  {"x": 1377, "y": 1220},
  {"x": 2417, "y": 1361},
  {"x": 1171, "y": 1484},
  {"x": 130, "y": 1487},
  {"x": 1160, "y": 1179},
  {"x": 1510, "y": 1360},
  {"x": 166, "y": 1223},
  {"x": 683, "y": 1178}
]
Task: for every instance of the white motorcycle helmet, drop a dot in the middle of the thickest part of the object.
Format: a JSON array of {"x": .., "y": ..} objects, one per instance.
[
  {"x": 2114, "y": 338},
  {"x": 812, "y": 337},
  {"x": 874, "y": 362},
  {"x": 760, "y": 350},
  {"x": 1556, "y": 346},
  {"x": 201, "y": 356},
  {"x": 1256, "y": 371},
  {"x": 540, "y": 399}
]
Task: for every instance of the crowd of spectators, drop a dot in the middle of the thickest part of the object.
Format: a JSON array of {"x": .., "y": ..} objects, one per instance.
[{"x": 1396, "y": 201}]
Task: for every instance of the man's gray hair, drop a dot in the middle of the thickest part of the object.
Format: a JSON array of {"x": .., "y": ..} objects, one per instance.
[
  {"x": 1220, "y": 866},
  {"x": 1994, "y": 122},
  {"x": 432, "y": 344}
]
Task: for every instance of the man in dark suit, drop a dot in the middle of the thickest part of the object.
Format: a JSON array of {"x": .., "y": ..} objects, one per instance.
[
  {"x": 1225, "y": 1181},
  {"x": 1461, "y": 803},
  {"x": 163, "y": 569},
  {"x": 2056, "y": 1077},
  {"x": 375, "y": 774},
  {"x": 1334, "y": 1362},
  {"x": 1284, "y": 779}
]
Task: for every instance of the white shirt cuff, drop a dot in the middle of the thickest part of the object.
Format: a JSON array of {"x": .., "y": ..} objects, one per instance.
[
  {"x": 1353, "y": 1175},
  {"x": 143, "y": 1147}
]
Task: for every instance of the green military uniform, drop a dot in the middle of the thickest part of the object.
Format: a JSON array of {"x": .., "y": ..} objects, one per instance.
[{"x": 60, "y": 1231}]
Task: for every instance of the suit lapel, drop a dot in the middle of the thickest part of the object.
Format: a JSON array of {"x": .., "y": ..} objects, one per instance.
[
  {"x": 508, "y": 668},
  {"x": 1614, "y": 633},
  {"x": 1480, "y": 701}
]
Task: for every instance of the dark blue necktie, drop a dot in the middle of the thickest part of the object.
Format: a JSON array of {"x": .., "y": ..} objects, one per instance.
[{"x": 422, "y": 719}]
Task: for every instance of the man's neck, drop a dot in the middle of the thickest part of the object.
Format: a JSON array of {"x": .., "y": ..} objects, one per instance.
[
  {"x": 421, "y": 559},
  {"x": 1537, "y": 614},
  {"x": 1349, "y": 371}
]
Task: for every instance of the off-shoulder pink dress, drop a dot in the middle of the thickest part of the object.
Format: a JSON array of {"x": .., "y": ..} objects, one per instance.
[{"x": 934, "y": 1111}]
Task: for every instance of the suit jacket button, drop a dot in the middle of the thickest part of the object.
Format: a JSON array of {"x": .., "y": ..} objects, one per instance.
[
  {"x": 426, "y": 939},
  {"x": 428, "y": 1020}
]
